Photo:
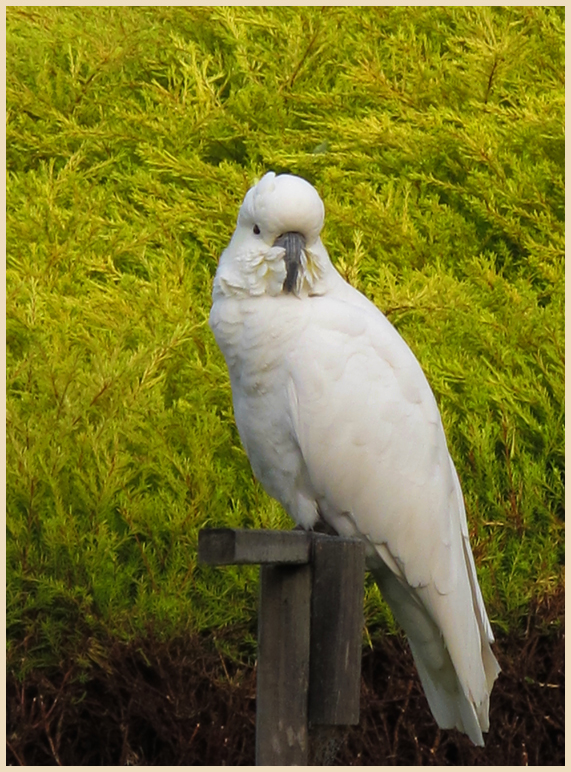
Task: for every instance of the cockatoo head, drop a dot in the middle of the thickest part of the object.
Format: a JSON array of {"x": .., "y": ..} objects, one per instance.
[{"x": 276, "y": 247}]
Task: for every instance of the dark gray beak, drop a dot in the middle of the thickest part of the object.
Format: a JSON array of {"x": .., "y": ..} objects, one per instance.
[{"x": 294, "y": 244}]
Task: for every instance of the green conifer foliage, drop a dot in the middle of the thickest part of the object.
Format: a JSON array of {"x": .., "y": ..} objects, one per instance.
[{"x": 434, "y": 136}]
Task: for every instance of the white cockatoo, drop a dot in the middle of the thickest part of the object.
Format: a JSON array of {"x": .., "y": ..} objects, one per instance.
[{"x": 341, "y": 426}]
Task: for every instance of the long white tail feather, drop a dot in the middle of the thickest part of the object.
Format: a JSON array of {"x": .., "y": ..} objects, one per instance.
[{"x": 448, "y": 700}]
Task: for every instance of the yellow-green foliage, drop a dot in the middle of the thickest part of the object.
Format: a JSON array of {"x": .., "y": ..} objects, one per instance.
[{"x": 435, "y": 137}]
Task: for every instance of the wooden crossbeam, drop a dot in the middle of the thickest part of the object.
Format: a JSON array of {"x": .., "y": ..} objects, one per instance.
[{"x": 226, "y": 546}]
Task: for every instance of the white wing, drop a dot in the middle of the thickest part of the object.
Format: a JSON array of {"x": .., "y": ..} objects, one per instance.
[{"x": 373, "y": 445}]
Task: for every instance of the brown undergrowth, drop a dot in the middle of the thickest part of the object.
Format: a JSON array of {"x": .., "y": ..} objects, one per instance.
[{"x": 184, "y": 704}]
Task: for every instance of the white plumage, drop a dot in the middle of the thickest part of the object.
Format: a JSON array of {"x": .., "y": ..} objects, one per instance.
[{"x": 340, "y": 425}]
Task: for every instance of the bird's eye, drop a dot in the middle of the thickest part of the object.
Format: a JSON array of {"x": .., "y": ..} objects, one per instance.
[{"x": 256, "y": 230}]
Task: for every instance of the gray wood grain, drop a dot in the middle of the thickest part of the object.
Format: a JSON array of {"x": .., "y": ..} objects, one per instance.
[
  {"x": 336, "y": 630},
  {"x": 310, "y": 626},
  {"x": 225, "y": 546},
  {"x": 283, "y": 666}
]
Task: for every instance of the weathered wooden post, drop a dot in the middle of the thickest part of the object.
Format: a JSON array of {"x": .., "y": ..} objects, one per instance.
[
  {"x": 336, "y": 637},
  {"x": 310, "y": 623},
  {"x": 283, "y": 665}
]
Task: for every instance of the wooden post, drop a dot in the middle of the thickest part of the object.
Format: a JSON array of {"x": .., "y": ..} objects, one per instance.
[
  {"x": 283, "y": 666},
  {"x": 336, "y": 637},
  {"x": 336, "y": 630},
  {"x": 309, "y": 637}
]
